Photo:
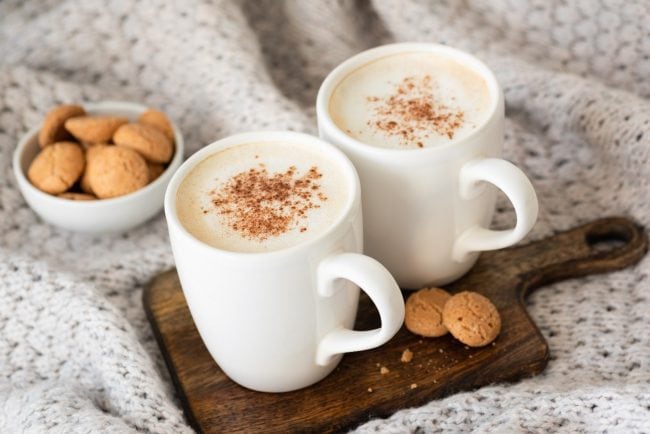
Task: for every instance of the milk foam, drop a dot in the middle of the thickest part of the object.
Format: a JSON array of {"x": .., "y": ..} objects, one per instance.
[
  {"x": 358, "y": 105},
  {"x": 195, "y": 198}
]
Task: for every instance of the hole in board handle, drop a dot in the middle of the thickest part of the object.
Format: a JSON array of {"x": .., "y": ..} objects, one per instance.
[{"x": 607, "y": 241}]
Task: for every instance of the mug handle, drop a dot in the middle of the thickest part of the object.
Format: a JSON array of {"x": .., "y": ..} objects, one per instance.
[
  {"x": 379, "y": 284},
  {"x": 516, "y": 186}
]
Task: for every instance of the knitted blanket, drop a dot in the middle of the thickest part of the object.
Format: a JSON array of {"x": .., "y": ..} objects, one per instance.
[{"x": 76, "y": 351}]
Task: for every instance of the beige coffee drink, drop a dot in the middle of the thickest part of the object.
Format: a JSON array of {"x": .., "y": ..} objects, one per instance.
[
  {"x": 261, "y": 197},
  {"x": 410, "y": 101}
]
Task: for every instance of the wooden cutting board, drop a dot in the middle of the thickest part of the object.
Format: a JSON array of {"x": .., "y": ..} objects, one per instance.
[{"x": 356, "y": 391}]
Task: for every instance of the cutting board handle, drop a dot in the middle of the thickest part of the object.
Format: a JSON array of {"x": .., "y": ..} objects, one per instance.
[{"x": 600, "y": 246}]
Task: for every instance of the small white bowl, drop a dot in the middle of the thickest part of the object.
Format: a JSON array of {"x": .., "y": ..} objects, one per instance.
[{"x": 97, "y": 216}]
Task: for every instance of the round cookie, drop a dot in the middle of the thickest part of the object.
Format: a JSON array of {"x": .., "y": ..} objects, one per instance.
[
  {"x": 84, "y": 184},
  {"x": 472, "y": 319},
  {"x": 115, "y": 171},
  {"x": 155, "y": 170},
  {"x": 158, "y": 119},
  {"x": 53, "y": 129},
  {"x": 424, "y": 312},
  {"x": 94, "y": 129},
  {"x": 91, "y": 151},
  {"x": 147, "y": 140},
  {"x": 57, "y": 167},
  {"x": 71, "y": 195}
]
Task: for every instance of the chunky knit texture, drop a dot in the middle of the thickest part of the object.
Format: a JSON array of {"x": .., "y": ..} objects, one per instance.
[{"x": 76, "y": 351}]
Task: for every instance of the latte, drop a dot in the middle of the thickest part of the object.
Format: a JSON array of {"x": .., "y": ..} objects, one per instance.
[
  {"x": 410, "y": 100},
  {"x": 261, "y": 197}
]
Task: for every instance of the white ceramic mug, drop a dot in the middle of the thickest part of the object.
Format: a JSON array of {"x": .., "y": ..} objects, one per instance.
[
  {"x": 281, "y": 320},
  {"x": 426, "y": 211}
]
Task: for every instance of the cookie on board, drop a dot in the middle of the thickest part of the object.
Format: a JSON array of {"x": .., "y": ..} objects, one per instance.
[
  {"x": 472, "y": 319},
  {"x": 424, "y": 312}
]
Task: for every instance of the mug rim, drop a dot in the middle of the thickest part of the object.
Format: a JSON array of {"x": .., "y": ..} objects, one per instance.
[
  {"x": 338, "y": 74},
  {"x": 351, "y": 208}
]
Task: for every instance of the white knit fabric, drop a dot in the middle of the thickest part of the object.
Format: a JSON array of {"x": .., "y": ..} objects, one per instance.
[{"x": 76, "y": 351}]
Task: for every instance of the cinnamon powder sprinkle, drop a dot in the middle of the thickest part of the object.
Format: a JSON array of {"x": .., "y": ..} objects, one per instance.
[
  {"x": 259, "y": 205},
  {"x": 412, "y": 112}
]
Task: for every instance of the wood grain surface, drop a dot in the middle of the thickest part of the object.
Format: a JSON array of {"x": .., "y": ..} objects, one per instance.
[{"x": 440, "y": 366}]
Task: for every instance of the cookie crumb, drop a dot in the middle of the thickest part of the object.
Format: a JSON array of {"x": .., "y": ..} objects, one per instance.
[
  {"x": 407, "y": 356},
  {"x": 414, "y": 386},
  {"x": 370, "y": 390},
  {"x": 384, "y": 370},
  {"x": 440, "y": 350}
]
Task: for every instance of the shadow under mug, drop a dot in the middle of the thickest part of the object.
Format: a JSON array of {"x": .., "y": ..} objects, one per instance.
[
  {"x": 426, "y": 211},
  {"x": 280, "y": 320}
]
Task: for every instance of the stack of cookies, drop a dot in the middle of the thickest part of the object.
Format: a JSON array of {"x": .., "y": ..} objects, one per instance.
[{"x": 88, "y": 157}]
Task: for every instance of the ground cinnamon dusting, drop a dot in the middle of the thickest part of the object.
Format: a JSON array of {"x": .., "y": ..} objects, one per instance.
[
  {"x": 412, "y": 112},
  {"x": 259, "y": 205}
]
